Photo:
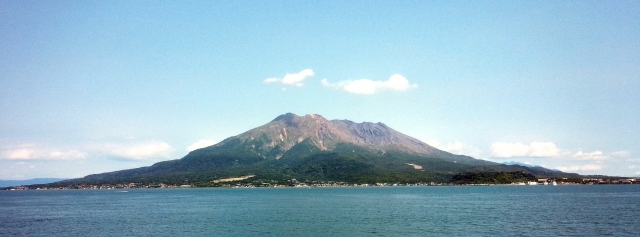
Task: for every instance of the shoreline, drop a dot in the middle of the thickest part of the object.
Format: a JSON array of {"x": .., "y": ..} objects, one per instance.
[{"x": 299, "y": 185}]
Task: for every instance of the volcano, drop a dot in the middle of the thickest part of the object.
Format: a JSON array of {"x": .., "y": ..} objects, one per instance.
[{"x": 312, "y": 148}]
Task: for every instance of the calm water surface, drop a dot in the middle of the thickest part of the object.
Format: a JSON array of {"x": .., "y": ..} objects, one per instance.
[{"x": 600, "y": 210}]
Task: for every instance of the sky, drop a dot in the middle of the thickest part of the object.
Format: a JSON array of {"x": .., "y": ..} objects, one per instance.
[{"x": 96, "y": 86}]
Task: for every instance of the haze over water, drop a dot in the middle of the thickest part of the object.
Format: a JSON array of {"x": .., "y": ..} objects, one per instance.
[{"x": 375, "y": 211}]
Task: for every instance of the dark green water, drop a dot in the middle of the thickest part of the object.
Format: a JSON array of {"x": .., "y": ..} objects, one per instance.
[{"x": 599, "y": 210}]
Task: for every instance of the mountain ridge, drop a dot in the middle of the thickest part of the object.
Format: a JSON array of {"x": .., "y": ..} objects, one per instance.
[{"x": 324, "y": 133}]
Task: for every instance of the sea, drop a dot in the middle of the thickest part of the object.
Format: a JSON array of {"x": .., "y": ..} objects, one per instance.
[{"x": 580, "y": 210}]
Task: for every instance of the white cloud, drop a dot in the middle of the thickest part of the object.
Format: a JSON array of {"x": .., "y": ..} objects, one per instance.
[
  {"x": 582, "y": 168},
  {"x": 32, "y": 152},
  {"x": 596, "y": 155},
  {"x": 621, "y": 154},
  {"x": 201, "y": 144},
  {"x": 396, "y": 82},
  {"x": 456, "y": 148},
  {"x": 142, "y": 151},
  {"x": 291, "y": 79},
  {"x": 151, "y": 150},
  {"x": 501, "y": 149},
  {"x": 550, "y": 150},
  {"x": 543, "y": 149},
  {"x": 73, "y": 154},
  {"x": 20, "y": 154},
  {"x": 535, "y": 149}
]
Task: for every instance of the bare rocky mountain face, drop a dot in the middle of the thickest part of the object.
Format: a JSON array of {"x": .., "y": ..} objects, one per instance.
[{"x": 287, "y": 130}]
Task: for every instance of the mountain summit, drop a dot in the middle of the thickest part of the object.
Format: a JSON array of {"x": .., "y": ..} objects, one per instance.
[
  {"x": 311, "y": 148},
  {"x": 287, "y": 130}
]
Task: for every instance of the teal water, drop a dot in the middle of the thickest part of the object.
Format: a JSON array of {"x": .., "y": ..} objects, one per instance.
[{"x": 599, "y": 210}]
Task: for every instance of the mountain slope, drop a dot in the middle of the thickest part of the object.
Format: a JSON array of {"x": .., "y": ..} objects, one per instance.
[{"x": 311, "y": 147}]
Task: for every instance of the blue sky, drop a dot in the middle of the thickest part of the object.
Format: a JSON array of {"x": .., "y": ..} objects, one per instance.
[{"x": 96, "y": 86}]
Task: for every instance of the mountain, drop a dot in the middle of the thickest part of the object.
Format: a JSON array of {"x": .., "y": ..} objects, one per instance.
[
  {"x": 12, "y": 183},
  {"x": 312, "y": 148},
  {"x": 289, "y": 129}
]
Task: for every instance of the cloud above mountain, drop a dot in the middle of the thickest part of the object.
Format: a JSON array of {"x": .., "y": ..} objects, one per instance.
[
  {"x": 548, "y": 154},
  {"x": 291, "y": 79},
  {"x": 138, "y": 151},
  {"x": 456, "y": 147},
  {"x": 33, "y": 152},
  {"x": 580, "y": 168},
  {"x": 593, "y": 156},
  {"x": 150, "y": 150},
  {"x": 535, "y": 149},
  {"x": 547, "y": 150},
  {"x": 201, "y": 144},
  {"x": 396, "y": 82}
]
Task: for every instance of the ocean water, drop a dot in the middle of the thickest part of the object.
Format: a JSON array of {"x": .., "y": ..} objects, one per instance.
[{"x": 598, "y": 210}]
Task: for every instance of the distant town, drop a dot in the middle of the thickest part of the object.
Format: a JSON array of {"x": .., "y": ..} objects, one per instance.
[{"x": 240, "y": 183}]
